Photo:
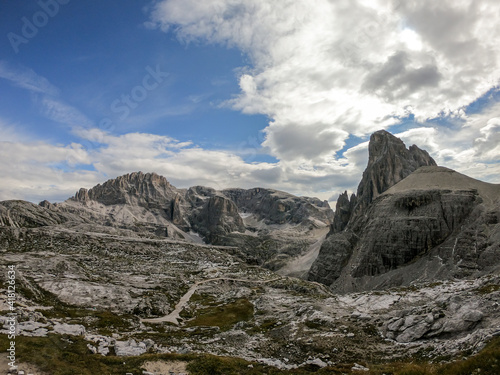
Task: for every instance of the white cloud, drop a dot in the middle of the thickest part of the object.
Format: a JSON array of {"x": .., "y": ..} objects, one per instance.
[
  {"x": 55, "y": 109},
  {"x": 322, "y": 70},
  {"x": 46, "y": 95},
  {"x": 55, "y": 171},
  {"x": 470, "y": 146},
  {"x": 10, "y": 132},
  {"x": 27, "y": 79}
]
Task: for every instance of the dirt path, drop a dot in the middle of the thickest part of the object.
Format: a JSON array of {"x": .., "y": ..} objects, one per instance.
[{"x": 174, "y": 316}]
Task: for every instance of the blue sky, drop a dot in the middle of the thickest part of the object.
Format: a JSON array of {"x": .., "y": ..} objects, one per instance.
[
  {"x": 240, "y": 93},
  {"x": 94, "y": 52}
]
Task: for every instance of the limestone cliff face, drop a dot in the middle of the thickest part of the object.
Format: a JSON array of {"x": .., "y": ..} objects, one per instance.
[
  {"x": 28, "y": 215},
  {"x": 408, "y": 211},
  {"x": 434, "y": 224},
  {"x": 343, "y": 211},
  {"x": 277, "y": 207},
  {"x": 148, "y": 203},
  {"x": 147, "y": 190},
  {"x": 389, "y": 161},
  {"x": 218, "y": 217},
  {"x": 401, "y": 227}
]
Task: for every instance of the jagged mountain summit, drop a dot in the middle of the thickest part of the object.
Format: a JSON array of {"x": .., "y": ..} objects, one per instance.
[
  {"x": 410, "y": 221},
  {"x": 263, "y": 226},
  {"x": 389, "y": 161}
]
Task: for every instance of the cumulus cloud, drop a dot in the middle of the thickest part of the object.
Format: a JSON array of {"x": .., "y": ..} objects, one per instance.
[
  {"x": 322, "y": 70},
  {"x": 469, "y": 144},
  {"x": 57, "y": 171}
]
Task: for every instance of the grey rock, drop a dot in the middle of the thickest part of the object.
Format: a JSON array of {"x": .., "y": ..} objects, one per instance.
[
  {"x": 218, "y": 217},
  {"x": 343, "y": 211},
  {"x": 69, "y": 329},
  {"x": 21, "y": 214},
  {"x": 413, "y": 332},
  {"x": 389, "y": 162},
  {"x": 473, "y": 316},
  {"x": 129, "y": 348},
  {"x": 277, "y": 207},
  {"x": 432, "y": 224}
]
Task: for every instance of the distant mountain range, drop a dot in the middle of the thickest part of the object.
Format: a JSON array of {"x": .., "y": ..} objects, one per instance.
[
  {"x": 407, "y": 267},
  {"x": 410, "y": 220}
]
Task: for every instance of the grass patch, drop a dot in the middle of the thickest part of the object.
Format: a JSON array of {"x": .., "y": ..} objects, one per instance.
[
  {"x": 486, "y": 362},
  {"x": 224, "y": 316},
  {"x": 265, "y": 326},
  {"x": 487, "y": 289},
  {"x": 59, "y": 355},
  {"x": 69, "y": 355}
]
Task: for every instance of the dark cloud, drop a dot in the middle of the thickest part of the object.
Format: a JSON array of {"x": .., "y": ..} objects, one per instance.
[
  {"x": 293, "y": 141},
  {"x": 396, "y": 77}
]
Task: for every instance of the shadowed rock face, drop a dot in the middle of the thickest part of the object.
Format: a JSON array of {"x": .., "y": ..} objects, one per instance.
[
  {"x": 388, "y": 163},
  {"x": 218, "y": 217},
  {"x": 401, "y": 227},
  {"x": 400, "y": 219},
  {"x": 343, "y": 211},
  {"x": 277, "y": 207}
]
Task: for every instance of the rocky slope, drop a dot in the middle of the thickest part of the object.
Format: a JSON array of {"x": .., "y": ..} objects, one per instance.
[
  {"x": 434, "y": 224},
  {"x": 115, "y": 293}
]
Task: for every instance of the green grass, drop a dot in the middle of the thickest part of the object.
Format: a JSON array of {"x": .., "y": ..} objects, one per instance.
[
  {"x": 224, "y": 316},
  {"x": 69, "y": 355},
  {"x": 486, "y": 362},
  {"x": 487, "y": 289}
]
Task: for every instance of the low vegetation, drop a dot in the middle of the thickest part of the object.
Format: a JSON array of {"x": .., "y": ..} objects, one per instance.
[
  {"x": 224, "y": 316},
  {"x": 65, "y": 355}
]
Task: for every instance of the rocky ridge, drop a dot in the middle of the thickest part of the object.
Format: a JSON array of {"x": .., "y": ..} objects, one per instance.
[
  {"x": 267, "y": 227},
  {"x": 432, "y": 224}
]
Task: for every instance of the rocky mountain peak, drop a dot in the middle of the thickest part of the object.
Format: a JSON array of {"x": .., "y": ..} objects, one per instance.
[
  {"x": 137, "y": 188},
  {"x": 389, "y": 161},
  {"x": 412, "y": 221}
]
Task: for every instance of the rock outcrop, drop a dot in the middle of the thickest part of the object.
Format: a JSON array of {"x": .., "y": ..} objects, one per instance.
[
  {"x": 147, "y": 190},
  {"x": 23, "y": 214},
  {"x": 217, "y": 217},
  {"x": 389, "y": 161},
  {"x": 277, "y": 207},
  {"x": 433, "y": 224},
  {"x": 343, "y": 211},
  {"x": 269, "y": 227}
]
